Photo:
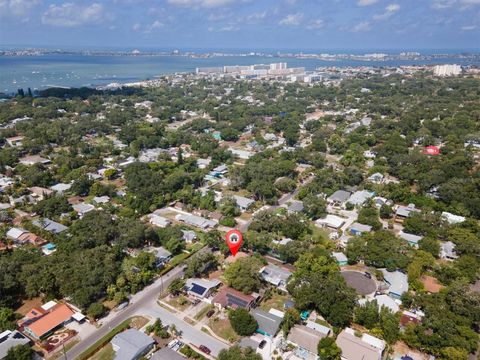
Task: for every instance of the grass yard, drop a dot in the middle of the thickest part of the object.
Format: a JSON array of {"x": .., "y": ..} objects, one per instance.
[
  {"x": 106, "y": 353},
  {"x": 180, "y": 302},
  {"x": 275, "y": 302},
  {"x": 27, "y": 305},
  {"x": 138, "y": 322},
  {"x": 223, "y": 329},
  {"x": 59, "y": 353}
]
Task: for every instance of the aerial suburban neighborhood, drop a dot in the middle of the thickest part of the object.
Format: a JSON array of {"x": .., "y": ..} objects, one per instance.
[{"x": 355, "y": 193}]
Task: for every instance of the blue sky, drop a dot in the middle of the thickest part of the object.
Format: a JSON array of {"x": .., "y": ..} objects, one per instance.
[{"x": 253, "y": 24}]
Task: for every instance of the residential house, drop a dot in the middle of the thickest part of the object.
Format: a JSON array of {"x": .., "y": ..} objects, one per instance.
[
  {"x": 295, "y": 206},
  {"x": 197, "y": 221},
  {"x": 203, "y": 163},
  {"x": 10, "y": 339},
  {"x": 383, "y": 301},
  {"x": 331, "y": 221},
  {"x": 365, "y": 347},
  {"x": 189, "y": 236},
  {"x": 15, "y": 141},
  {"x": 403, "y": 212},
  {"x": 282, "y": 242},
  {"x": 228, "y": 297},
  {"x": 357, "y": 229},
  {"x": 242, "y": 154},
  {"x": 158, "y": 220},
  {"x": 397, "y": 282},
  {"x": 268, "y": 324},
  {"x": 50, "y": 225},
  {"x": 39, "y": 193},
  {"x": 243, "y": 203},
  {"x": 358, "y": 198},
  {"x": 201, "y": 288},
  {"x": 339, "y": 198},
  {"x": 81, "y": 209},
  {"x": 21, "y": 237},
  {"x": 33, "y": 159},
  {"x": 324, "y": 330},
  {"x": 452, "y": 218},
  {"x": 306, "y": 339},
  {"x": 410, "y": 238},
  {"x": 162, "y": 256},
  {"x": 61, "y": 188},
  {"x": 100, "y": 200},
  {"x": 276, "y": 276},
  {"x": 341, "y": 258},
  {"x": 42, "y": 321},
  {"x": 447, "y": 251},
  {"x": 131, "y": 344}
]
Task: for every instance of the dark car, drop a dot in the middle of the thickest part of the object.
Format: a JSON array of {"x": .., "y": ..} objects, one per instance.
[
  {"x": 204, "y": 349},
  {"x": 368, "y": 275},
  {"x": 210, "y": 313},
  {"x": 262, "y": 344}
]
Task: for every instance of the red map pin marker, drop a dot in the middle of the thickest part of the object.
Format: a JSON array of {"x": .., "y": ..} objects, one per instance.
[{"x": 234, "y": 241}]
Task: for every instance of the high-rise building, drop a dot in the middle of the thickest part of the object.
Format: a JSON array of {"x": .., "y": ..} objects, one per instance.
[{"x": 447, "y": 70}]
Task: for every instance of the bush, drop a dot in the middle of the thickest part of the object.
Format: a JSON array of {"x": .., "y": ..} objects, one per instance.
[{"x": 96, "y": 310}]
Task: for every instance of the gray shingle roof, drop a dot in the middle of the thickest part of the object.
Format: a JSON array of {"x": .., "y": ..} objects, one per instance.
[
  {"x": 267, "y": 323},
  {"x": 130, "y": 343}
]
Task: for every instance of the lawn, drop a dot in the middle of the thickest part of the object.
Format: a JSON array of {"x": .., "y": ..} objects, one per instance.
[
  {"x": 223, "y": 329},
  {"x": 138, "y": 322},
  {"x": 276, "y": 302},
  {"x": 180, "y": 302},
  {"x": 106, "y": 353}
]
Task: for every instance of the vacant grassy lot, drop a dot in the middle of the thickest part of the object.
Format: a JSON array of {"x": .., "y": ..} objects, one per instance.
[{"x": 223, "y": 329}]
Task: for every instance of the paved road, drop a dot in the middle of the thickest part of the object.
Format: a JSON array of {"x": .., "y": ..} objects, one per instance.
[{"x": 145, "y": 303}]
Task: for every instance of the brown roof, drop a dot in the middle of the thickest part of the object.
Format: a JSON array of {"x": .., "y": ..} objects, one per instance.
[
  {"x": 431, "y": 284},
  {"x": 354, "y": 348},
  {"x": 233, "y": 298},
  {"x": 305, "y": 337},
  {"x": 55, "y": 317}
]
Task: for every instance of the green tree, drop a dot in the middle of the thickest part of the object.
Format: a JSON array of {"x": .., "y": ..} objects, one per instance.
[
  {"x": 20, "y": 352},
  {"x": 292, "y": 317},
  {"x": 243, "y": 274},
  {"x": 242, "y": 322},
  {"x": 328, "y": 349},
  {"x": 176, "y": 286},
  {"x": 7, "y": 319},
  {"x": 237, "y": 353},
  {"x": 96, "y": 310}
]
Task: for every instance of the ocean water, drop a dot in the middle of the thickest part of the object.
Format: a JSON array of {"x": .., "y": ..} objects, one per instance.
[{"x": 40, "y": 72}]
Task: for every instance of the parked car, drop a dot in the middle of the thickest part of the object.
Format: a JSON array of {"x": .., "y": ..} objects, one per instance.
[
  {"x": 205, "y": 349},
  {"x": 262, "y": 344},
  {"x": 210, "y": 313},
  {"x": 368, "y": 275},
  {"x": 122, "y": 306}
]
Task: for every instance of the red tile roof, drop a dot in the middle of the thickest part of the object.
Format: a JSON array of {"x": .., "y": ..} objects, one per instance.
[{"x": 57, "y": 315}]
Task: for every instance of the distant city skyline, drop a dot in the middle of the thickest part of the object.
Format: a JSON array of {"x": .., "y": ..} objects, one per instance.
[{"x": 246, "y": 24}]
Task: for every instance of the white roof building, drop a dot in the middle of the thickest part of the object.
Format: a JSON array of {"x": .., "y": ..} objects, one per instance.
[{"x": 331, "y": 221}]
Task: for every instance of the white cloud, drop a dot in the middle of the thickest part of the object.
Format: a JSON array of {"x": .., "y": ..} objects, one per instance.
[
  {"x": 200, "y": 3},
  {"x": 256, "y": 16},
  {"x": 317, "y": 24},
  {"x": 136, "y": 26},
  {"x": 389, "y": 11},
  {"x": 70, "y": 15},
  {"x": 366, "y": 2},
  {"x": 16, "y": 8},
  {"x": 363, "y": 26},
  {"x": 460, "y": 4},
  {"x": 469, "y": 27},
  {"x": 291, "y": 20}
]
